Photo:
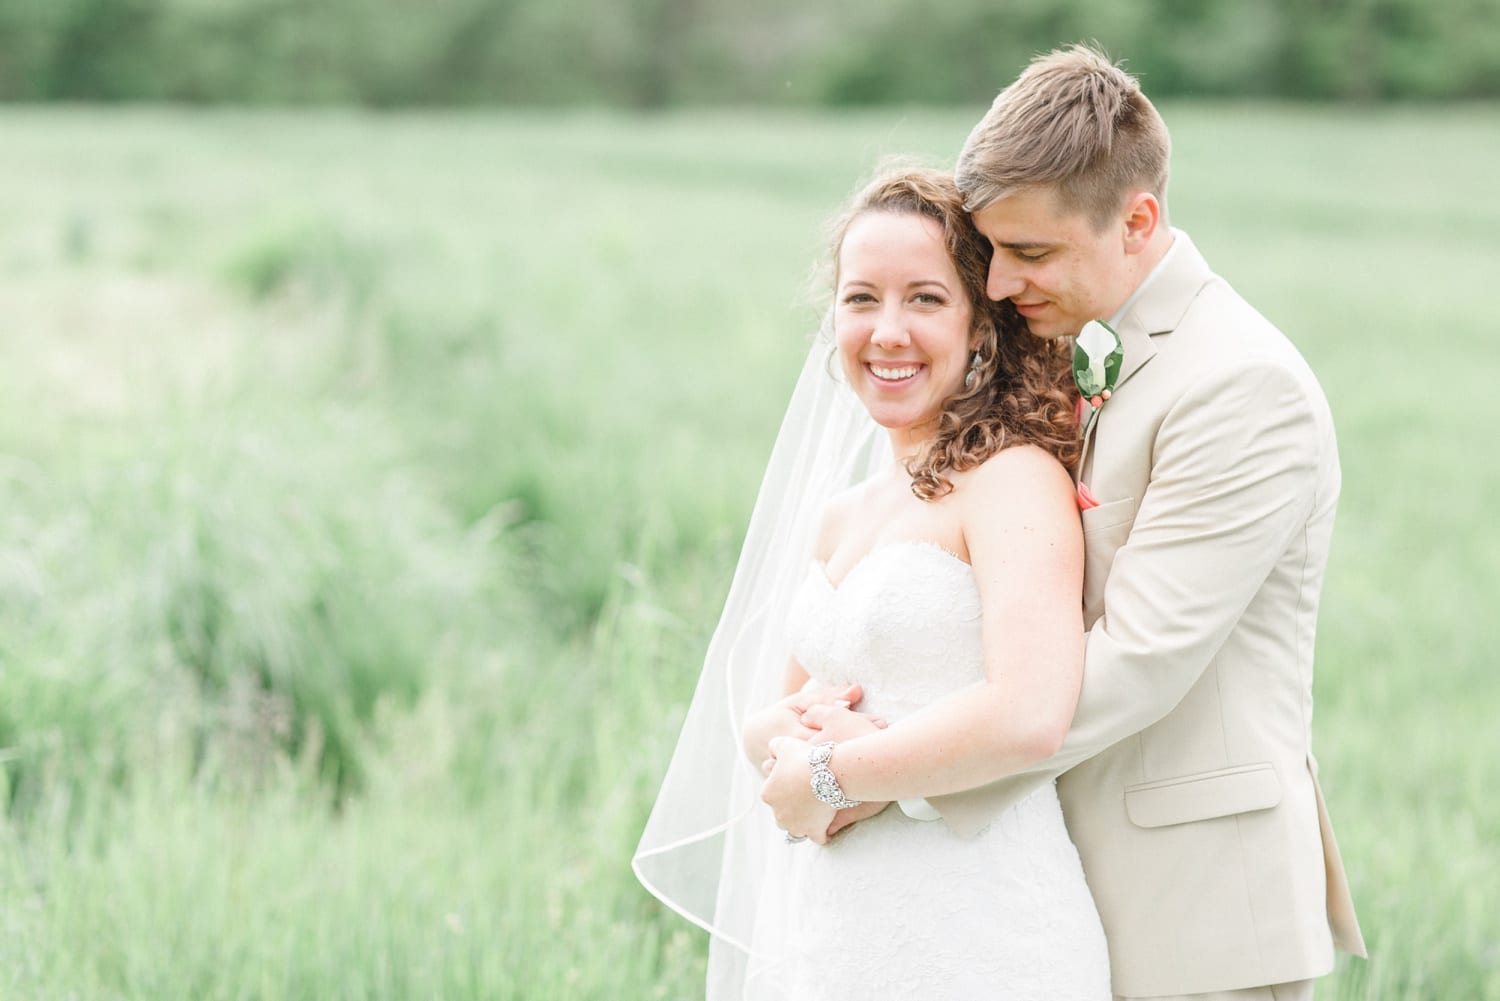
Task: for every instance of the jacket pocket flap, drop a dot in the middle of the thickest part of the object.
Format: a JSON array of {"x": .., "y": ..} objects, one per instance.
[
  {"x": 1108, "y": 515},
  {"x": 1205, "y": 795}
]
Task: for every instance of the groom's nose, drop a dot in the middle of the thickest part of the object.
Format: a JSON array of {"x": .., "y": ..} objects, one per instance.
[{"x": 1004, "y": 280}]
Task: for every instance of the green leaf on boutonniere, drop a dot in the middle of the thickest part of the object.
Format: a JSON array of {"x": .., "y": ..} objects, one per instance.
[{"x": 1097, "y": 355}]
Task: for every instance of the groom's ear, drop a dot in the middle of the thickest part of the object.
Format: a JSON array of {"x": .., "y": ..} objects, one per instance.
[{"x": 1142, "y": 215}]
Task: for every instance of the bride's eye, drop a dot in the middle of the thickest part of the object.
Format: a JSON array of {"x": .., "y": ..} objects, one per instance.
[
  {"x": 929, "y": 299},
  {"x": 855, "y": 298}
]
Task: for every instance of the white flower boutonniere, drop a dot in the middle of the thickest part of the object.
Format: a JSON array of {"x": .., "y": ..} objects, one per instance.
[{"x": 1097, "y": 355}]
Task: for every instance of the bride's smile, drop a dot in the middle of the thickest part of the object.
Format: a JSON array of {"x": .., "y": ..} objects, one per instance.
[
  {"x": 893, "y": 375},
  {"x": 903, "y": 323}
]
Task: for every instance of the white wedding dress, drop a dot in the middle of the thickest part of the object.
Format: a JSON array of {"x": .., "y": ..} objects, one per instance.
[{"x": 896, "y": 908}]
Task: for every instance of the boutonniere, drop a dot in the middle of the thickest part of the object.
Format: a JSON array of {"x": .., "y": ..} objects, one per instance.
[{"x": 1097, "y": 354}]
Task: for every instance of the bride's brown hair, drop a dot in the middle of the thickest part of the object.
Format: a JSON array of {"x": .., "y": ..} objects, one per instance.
[{"x": 1024, "y": 391}]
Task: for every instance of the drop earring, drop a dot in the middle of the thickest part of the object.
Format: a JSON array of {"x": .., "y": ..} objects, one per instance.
[{"x": 974, "y": 365}]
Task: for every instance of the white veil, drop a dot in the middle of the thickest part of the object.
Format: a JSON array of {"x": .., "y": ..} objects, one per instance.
[{"x": 711, "y": 850}]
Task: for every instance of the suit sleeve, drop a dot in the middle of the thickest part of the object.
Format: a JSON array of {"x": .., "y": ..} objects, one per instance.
[{"x": 1233, "y": 480}]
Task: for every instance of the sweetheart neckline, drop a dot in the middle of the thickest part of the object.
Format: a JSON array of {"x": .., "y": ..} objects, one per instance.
[{"x": 822, "y": 565}]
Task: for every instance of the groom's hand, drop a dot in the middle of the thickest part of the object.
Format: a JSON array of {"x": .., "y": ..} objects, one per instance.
[{"x": 853, "y": 815}]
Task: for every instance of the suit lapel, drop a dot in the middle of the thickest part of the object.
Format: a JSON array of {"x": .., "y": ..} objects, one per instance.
[
  {"x": 1135, "y": 341},
  {"x": 1158, "y": 311},
  {"x": 1090, "y": 418}
]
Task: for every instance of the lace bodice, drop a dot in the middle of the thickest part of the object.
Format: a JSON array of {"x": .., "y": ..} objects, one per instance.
[
  {"x": 904, "y": 623},
  {"x": 901, "y": 908}
]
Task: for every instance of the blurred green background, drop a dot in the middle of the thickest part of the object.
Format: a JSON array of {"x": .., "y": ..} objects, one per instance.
[
  {"x": 371, "y": 473},
  {"x": 652, "y": 53}
]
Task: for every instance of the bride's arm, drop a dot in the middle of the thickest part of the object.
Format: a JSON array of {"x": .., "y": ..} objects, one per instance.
[
  {"x": 1020, "y": 522},
  {"x": 782, "y": 718}
]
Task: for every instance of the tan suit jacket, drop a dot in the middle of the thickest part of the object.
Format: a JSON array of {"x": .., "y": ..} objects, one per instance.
[{"x": 1192, "y": 792}]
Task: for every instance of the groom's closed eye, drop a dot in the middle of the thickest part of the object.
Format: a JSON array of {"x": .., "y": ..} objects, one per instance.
[{"x": 1030, "y": 253}]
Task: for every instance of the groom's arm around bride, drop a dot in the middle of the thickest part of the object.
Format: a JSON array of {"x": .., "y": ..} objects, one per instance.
[{"x": 1191, "y": 790}]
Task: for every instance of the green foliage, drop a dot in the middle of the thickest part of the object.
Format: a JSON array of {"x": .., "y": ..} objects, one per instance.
[
  {"x": 369, "y": 486},
  {"x": 653, "y": 53},
  {"x": 270, "y": 577},
  {"x": 304, "y": 258}
]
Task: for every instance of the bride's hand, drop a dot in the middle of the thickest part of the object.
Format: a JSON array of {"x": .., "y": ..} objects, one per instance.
[
  {"x": 786, "y": 717},
  {"x": 824, "y": 721},
  {"x": 788, "y": 792},
  {"x": 838, "y": 722}
]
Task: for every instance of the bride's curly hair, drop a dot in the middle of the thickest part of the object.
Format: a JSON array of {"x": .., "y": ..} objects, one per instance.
[{"x": 1024, "y": 391}]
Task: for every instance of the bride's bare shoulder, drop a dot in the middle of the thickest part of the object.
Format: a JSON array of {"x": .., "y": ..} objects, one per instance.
[{"x": 1018, "y": 476}]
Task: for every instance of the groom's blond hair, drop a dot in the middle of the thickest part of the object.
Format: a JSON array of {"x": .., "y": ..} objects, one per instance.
[{"x": 1077, "y": 122}]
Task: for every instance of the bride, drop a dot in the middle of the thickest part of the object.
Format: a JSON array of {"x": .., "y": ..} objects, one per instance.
[{"x": 943, "y": 597}]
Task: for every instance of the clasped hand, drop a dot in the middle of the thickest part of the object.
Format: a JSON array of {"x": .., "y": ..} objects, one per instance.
[{"x": 788, "y": 788}]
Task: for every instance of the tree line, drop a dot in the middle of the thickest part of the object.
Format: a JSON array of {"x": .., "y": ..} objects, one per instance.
[{"x": 654, "y": 53}]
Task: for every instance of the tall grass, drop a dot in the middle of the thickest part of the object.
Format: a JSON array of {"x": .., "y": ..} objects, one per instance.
[{"x": 368, "y": 487}]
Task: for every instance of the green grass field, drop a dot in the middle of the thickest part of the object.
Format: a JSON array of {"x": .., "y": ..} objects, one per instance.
[{"x": 369, "y": 486}]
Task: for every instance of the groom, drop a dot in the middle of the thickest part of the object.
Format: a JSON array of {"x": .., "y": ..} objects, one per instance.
[{"x": 1208, "y": 486}]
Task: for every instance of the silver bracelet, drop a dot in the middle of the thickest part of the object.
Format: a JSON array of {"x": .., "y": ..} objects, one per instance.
[{"x": 824, "y": 786}]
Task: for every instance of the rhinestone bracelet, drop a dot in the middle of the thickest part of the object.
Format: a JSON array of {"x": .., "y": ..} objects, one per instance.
[{"x": 824, "y": 786}]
